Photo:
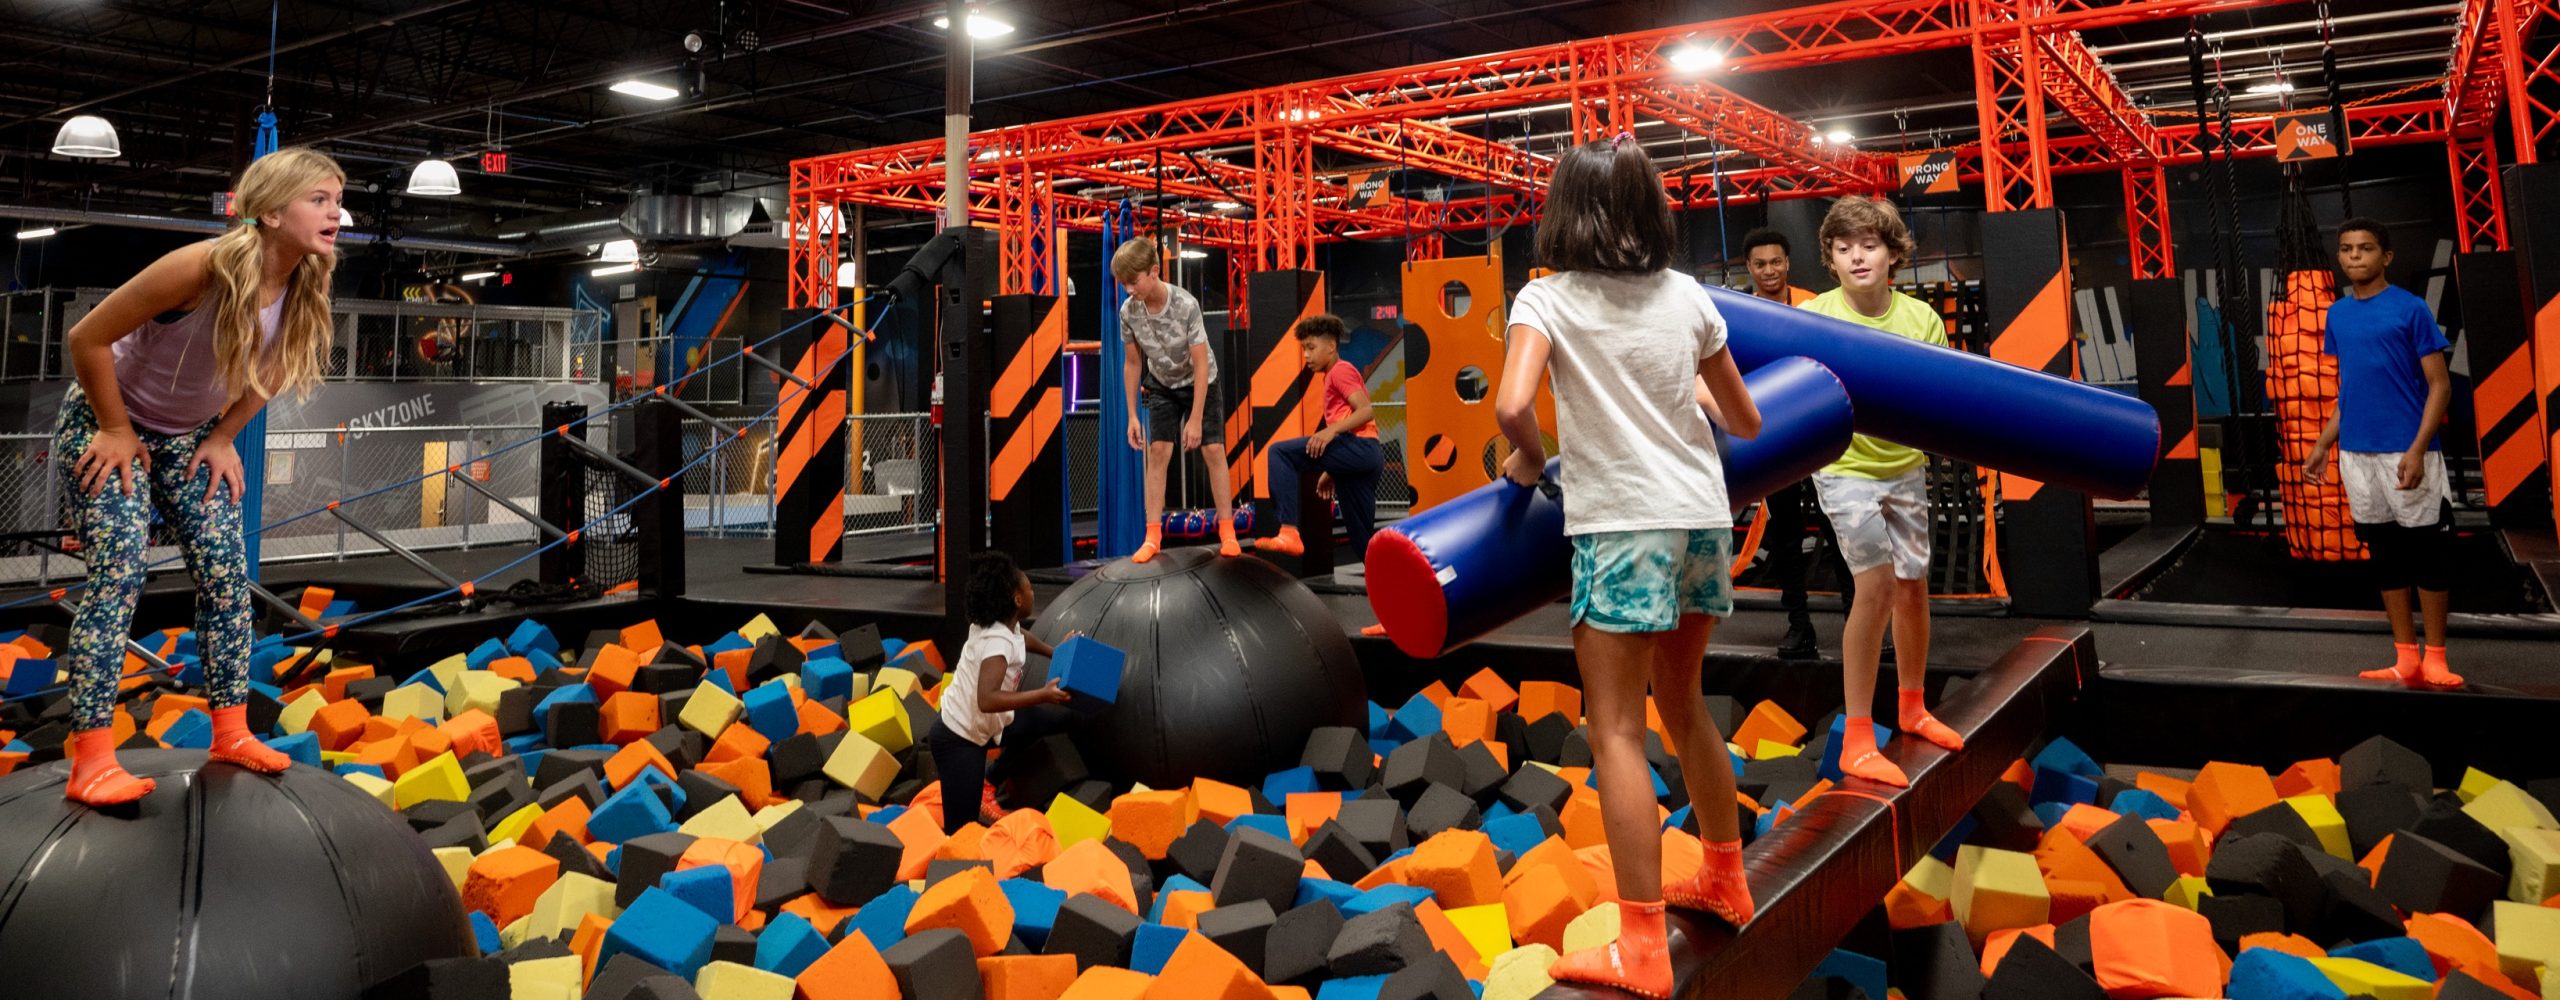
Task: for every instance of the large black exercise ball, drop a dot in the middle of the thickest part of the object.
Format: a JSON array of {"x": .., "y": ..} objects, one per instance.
[
  {"x": 222, "y": 883},
  {"x": 1231, "y": 663}
]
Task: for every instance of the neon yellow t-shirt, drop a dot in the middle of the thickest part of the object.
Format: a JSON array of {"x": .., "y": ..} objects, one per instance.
[{"x": 1869, "y": 458}]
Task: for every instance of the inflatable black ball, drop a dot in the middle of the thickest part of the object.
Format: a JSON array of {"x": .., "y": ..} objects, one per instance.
[
  {"x": 1232, "y": 662},
  {"x": 222, "y": 883}
]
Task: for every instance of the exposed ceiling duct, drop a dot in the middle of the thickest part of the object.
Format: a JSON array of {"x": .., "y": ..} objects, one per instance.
[
  {"x": 177, "y": 224},
  {"x": 686, "y": 218}
]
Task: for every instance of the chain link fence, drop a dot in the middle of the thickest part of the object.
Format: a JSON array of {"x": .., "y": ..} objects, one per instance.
[{"x": 310, "y": 468}]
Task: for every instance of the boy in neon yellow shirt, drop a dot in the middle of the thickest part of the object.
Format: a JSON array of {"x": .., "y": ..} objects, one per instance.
[{"x": 1877, "y": 497}]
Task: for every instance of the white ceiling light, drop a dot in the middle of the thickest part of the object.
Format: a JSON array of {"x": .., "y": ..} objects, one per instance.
[
  {"x": 848, "y": 275},
  {"x": 434, "y": 178},
  {"x": 1189, "y": 253},
  {"x": 346, "y": 219},
  {"x": 1226, "y": 206},
  {"x": 87, "y": 137},
  {"x": 1690, "y": 57},
  {"x": 643, "y": 88},
  {"x": 2278, "y": 87},
  {"x": 480, "y": 276},
  {"x": 1839, "y": 136},
  {"x": 980, "y": 25},
  {"x": 620, "y": 252},
  {"x": 613, "y": 269},
  {"x": 37, "y": 233}
]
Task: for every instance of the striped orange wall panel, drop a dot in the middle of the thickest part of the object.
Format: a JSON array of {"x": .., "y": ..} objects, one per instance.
[
  {"x": 1278, "y": 401},
  {"x": 2507, "y": 421},
  {"x": 809, "y": 455},
  {"x": 1026, "y": 465},
  {"x": 2157, "y": 319},
  {"x": 2046, "y": 541},
  {"x": 1451, "y": 371}
]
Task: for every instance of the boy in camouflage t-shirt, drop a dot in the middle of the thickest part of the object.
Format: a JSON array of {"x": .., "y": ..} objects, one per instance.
[{"x": 1172, "y": 380}]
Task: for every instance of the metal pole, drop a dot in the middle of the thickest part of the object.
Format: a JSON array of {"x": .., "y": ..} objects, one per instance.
[
  {"x": 955, "y": 117},
  {"x": 344, "y": 489}
]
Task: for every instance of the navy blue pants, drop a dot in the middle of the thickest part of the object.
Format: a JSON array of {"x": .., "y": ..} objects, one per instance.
[{"x": 1354, "y": 461}]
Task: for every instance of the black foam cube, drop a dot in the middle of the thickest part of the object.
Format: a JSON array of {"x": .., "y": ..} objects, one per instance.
[
  {"x": 515, "y": 711},
  {"x": 563, "y": 765},
  {"x": 2136, "y": 854},
  {"x": 1295, "y": 952},
  {"x": 446, "y": 979},
  {"x": 701, "y": 791},
  {"x": 1936, "y": 963},
  {"x": 935, "y": 965},
  {"x": 860, "y": 646},
  {"x": 1094, "y": 931},
  {"x": 2278, "y": 820},
  {"x": 1197, "y": 852},
  {"x": 732, "y": 943},
  {"x": 1378, "y": 824},
  {"x": 1440, "y": 808},
  {"x": 2378, "y": 761},
  {"x": 1530, "y": 787},
  {"x": 428, "y": 815},
  {"x": 570, "y": 724},
  {"x": 794, "y": 834},
  {"x": 2004, "y": 820},
  {"x": 1240, "y": 929},
  {"x": 853, "y": 861},
  {"x": 1482, "y": 771},
  {"x": 1547, "y": 734},
  {"x": 2458, "y": 985},
  {"x": 1339, "y": 853},
  {"x": 1420, "y": 764},
  {"x": 1045, "y": 769},
  {"x": 2235, "y": 917},
  {"x": 2271, "y": 866},
  {"x": 465, "y": 830},
  {"x": 1341, "y": 758},
  {"x": 1379, "y": 942},
  {"x": 1726, "y": 712},
  {"x": 942, "y": 868},
  {"x": 2445, "y": 823},
  {"x": 575, "y": 859},
  {"x": 2422, "y": 876},
  {"x": 2031, "y": 971},
  {"x": 645, "y": 860},
  {"x": 1257, "y": 865},
  {"x": 2354, "y": 909},
  {"x": 2376, "y": 811},
  {"x": 620, "y": 977},
  {"x": 1576, "y": 751},
  {"x": 783, "y": 878},
  {"x": 1433, "y": 978}
]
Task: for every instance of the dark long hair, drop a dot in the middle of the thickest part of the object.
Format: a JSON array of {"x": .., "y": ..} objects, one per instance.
[{"x": 1606, "y": 211}]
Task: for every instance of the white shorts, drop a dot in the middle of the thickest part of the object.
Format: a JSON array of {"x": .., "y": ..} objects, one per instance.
[
  {"x": 1879, "y": 521},
  {"x": 2374, "y": 495}
]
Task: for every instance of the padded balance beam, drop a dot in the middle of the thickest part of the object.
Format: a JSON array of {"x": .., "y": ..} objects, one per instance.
[
  {"x": 1448, "y": 575},
  {"x": 1963, "y": 406}
]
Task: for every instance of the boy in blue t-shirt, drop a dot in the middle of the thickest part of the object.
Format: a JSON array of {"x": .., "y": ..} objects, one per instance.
[{"x": 2392, "y": 393}]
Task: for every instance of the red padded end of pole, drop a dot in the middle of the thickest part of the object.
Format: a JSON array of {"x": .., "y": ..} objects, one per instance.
[
  {"x": 59, "y": 592},
  {"x": 749, "y": 349},
  {"x": 330, "y": 631},
  {"x": 468, "y": 588},
  {"x": 333, "y": 505},
  {"x": 1405, "y": 594},
  {"x": 661, "y": 390},
  {"x": 573, "y": 537},
  {"x": 662, "y": 484}
]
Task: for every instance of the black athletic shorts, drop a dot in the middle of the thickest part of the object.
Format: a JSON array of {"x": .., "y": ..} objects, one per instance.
[{"x": 1168, "y": 406}]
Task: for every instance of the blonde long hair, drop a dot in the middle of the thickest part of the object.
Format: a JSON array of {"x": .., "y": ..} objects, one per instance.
[{"x": 238, "y": 268}]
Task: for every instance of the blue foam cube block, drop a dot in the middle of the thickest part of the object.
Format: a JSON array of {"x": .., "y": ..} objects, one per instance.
[
  {"x": 303, "y": 747},
  {"x": 635, "y": 811},
  {"x": 2056, "y": 786},
  {"x": 2268, "y": 974},
  {"x": 532, "y": 636},
  {"x": 427, "y": 677},
  {"x": 888, "y": 813},
  {"x": 1945, "y": 849},
  {"x": 528, "y": 743},
  {"x": 1382, "y": 897},
  {"x": 822, "y": 679},
  {"x": 788, "y": 944},
  {"x": 2399, "y": 954},
  {"x": 1352, "y": 988},
  {"x": 2051, "y": 812},
  {"x": 1275, "y": 825},
  {"x": 541, "y": 659},
  {"x": 1735, "y": 758},
  {"x": 1414, "y": 719},
  {"x": 2067, "y": 757},
  {"x": 264, "y": 655},
  {"x": 567, "y": 693},
  {"x": 726, "y": 643},
  {"x": 2143, "y": 803},
  {"x": 668, "y": 791},
  {"x": 488, "y": 649},
  {"x": 27, "y": 677},
  {"x": 707, "y": 888},
  {"x": 1592, "y": 781},
  {"x": 1498, "y": 810},
  {"x": 1768, "y": 819},
  {"x": 1174, "y": 884},
  {"x": 824, "y": 651},
  {"x": 771, "y": 713},
  {"x": 1035, "y": 909},
  {"x": 190, "y": 670},
  {"x": 1516, "y": 833},
  {"x": 337, "y": 608},
  {"x": 1677, "y": 817},
  {"x": 1088, "y": 669},
  {"x": 1154, "y": 947},
  {"x": 883, "y": 920},
  {"x": 192, "y": 731},
  {"x": 186, "y": 644},
  {"x": 1864, "y": 972},
  {"x": 1830, "y": 767},
  {"x": 484, "y": 934},
  {"x": 891, "y": 649},
  {"x": 1279, "y": 785},
  {"x": 352, "y": 767},
  {"x": 1328, "y": 890},
  {"x": 720, "y": 679},
  {"x": 668, "y": 932},
  {"x": 1379, "y": 720}
]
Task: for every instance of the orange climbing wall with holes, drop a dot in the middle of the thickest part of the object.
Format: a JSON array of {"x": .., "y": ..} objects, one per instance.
[
  {"x": 1452, "y": 443},
  {"x": 2302, "y": 385}
]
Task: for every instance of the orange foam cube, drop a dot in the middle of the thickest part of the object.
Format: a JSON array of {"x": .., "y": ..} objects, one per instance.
[
  {"x": 2172, "y": 789},
  {"x": 1220, "y": 802},
  {"x": 1581, "y": 818},
  {"x": 1539, "y": 699},
  {"x": 626, "y": 764},
  {"x": 815, "y": 909},
  {"x": 970, "y": 903},
  {"x": 2147, "y": 948},
  {"x": 473, "y": 730},
  {"x": 1768, "y": 722},
  {"x": 1488, "y": 687},
  {"x": 2290, "y": 944},
  {"x": 1200, "y": 970},
  {"x": 334, "y": 683},
  {"x": 1540, "y": 904},
  {"x": 628, "y": 716},
  {"x": 1089, "y": 867},
  {"x": 1026, "y": 977},
  {"x": 1104, "y": 982},
  {"x": 1308, "y": 810},
  {"x": 2223, "y": 792},
  {"x": 504, "y": 883},
  {"x": 642, "y": 638},
  {"x": 1020, "y": 840},
  {"x": 1150, "y": 821},
  {"x": 1183, "y": 909},
  {"x": 744, "y": 862},
  {"x": 612, "y": 672},
  {"x": 1466, "y": 720},
  {"x": 338, "y": 723},
  {"x": 1458, "y": 867},
  {"x": 1997, "y": 945},
  {"x": 568, "y": 819},
  {"x": 921, "y": 833},
  {"x": 2309, "y": 777},
  {"x": 738, "y": 742},
  {"x": 852, "y": 970},
  {"x": 2188, "y": 849},
  {"x": 1446, "y": 937}
]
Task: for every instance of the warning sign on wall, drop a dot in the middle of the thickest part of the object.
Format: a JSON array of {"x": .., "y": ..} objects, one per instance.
[
  {"x": 2305, "y": 137},
  {"x": 1929, "y": 173}
]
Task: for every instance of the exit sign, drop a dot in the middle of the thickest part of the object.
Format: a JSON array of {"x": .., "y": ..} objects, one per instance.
[
  {"x": 493, "y": 162},
  {"x": 222, "y": 204}
]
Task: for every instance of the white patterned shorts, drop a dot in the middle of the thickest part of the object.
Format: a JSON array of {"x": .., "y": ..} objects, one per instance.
[
  {"x": 1879, "y": 521},
  {"x": 1644, "y": 581},
  {"x": 2374, "y": 495}
]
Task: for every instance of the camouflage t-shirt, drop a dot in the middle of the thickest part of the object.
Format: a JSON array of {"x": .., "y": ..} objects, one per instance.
[{"x": 1166, "y": 337}]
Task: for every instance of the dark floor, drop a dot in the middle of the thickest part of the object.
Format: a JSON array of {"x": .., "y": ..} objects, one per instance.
[{"x": 2231, "y": 567}]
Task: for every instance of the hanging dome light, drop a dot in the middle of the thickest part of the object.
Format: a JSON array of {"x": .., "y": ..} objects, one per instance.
[
  {"x": 88, "y": 137},
  {"x": 434, "y": 178},
  {"x": 620, "y": 252}
]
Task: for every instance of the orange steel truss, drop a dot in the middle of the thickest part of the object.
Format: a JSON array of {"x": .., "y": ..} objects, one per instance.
[{"x": 1259, "y": 148}]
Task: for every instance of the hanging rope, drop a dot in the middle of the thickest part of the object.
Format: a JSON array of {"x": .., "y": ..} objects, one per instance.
[
  {"x": 2337, "y": 112},
  {"x": 268, "y": 140}
]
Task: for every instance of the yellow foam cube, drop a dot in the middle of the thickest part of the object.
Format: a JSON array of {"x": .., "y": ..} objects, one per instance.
[
  {"x": 438, "y": 780},
  {"x": 516, "y": 823},
  {"x": 2474, "y": 782},
  {"x": 1595, "y": 927},
  {"x": 1487, "y": 927},
  {"x": 545, "y": 978},
  {"x": 2528, "y": 936},
  {"x": 861, "y": 682},
  {"x": 2321, "y": 815},
  {"x": 2188, "y": 891},
  {"x": 757, "y": 628},
  {"x": 2536, "y": 854},
  {"x": 478, "y": 689},
  {"x": 731, "y": 981},
  {"x": 1074, "y": 822},
  {"x": 727, "y": 819},
  {"x": 2359, "y": 977},
  {"x": 1769, "y": 749},
  {"x": 456, "y": 862},
  {"x": 710, "y": 710},
  {"x": 513, "y": 934},
  {"x": 446, "y": 671},
  {"x": 772, "y": 816},
  {"x": 413, "y": 701},
  {"x": 1997, "y": 889},
  {"x": 1931, "y": 878},
  {"x": 376, "y": 787},
  {"x": 567, "y": 901},
  {"x": 2503, "y": 805},
  {"x": 1519, "y": 974},
  {"x": 882, "y": 719},
  {"x": 898, "y": 679},
  {"x": 297, "y": 713},
  {"x": 862, "y": 765},
  {"x": 332, "y": 758}
]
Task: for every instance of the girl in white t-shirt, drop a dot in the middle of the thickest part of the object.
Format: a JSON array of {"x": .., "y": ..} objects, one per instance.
[
  {"x": 985, "y": 706},
  {"x": 1626, "y": 339}
]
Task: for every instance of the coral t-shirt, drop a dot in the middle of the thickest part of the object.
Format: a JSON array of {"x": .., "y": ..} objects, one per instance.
[{"x": 1339, "y": 384}]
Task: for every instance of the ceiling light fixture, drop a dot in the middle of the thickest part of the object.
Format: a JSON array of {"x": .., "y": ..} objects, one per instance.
[
  {"x": 1192, "y": 254},
  {"x": 2278, "y": 87},
  {"x": 619, "y": 252},
  {"x": 614, "y": 269},
  {"x": 434, "y": 178},
  {"x": 1226, "y": 206},
  {"x": 37, "y": 233},
  {"x": 1839, "y": 136},
  {"x": 981, "y": 26},
  {"x": 848, "y": 275},
  {"x": 88, "y": 137},
  {"x": 1690, "y": 57},
  {"x": 480, "y": 276},
  {"x": 645, "y": 89}
]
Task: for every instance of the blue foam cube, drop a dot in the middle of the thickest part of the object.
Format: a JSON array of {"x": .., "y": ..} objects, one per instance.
[
  {"x": 264, "y": 655},
  {"x": 1351, "y": 988},
  {"x": 303, "y": 747},
  {"x": 525, "y": 746},
  {"x": 2144, "y": 803},
  {"x": 771, "y": 713},
  {"x": 1382, "y": 746},
  {"x": 1271, "y": 823},
  {"x": 2067, "y": 757},
  {"x": 567, "y": 693},
  {"x": 1328, "y": 890},
  {"x": 635, "y": 811},
  {"x": 338, "y": 608},
  {"x": 1089, "y": 670},
  {"x": 2268, "y": 974},
  {"x": 883, "y": 920},
  {"x": 484, "y": 934},
  {"x": 1279, "y": 785},
  {"x": 531, "y": 637},
  {"x": 351, "y": 767},
  {"x": 1864, "y": 972},
  {"x": 890, "y": 649},
  {"x": 726, "y": 643},
  {"x": 2057, "y": 786},
  {"x": 707, "y": 888},
  {"x": 1382, "y": 897},
  {"x": 822, "y": 679},
  {"x": 1154, "y": 947},
  {"x": 824, "y": 651},
  {"x": 1768, "y": 819},
  {"x": 888, "y": 813},
  {"x": 427, "y": 677},
  {"x": 1035, "y": 909},
  {"x": 1592, "y": 781},
  {"x": 1415, "y": 719},
  {"x": 1174, "y": 884},
  {"x": 480, "y": 656},
  {"x": 2051, "y": 812},
  {"x": 27, "y": 677},
  {"x": 542, "y": 660},
  {"x": 1379, "y": 720},
  {"x": 788, "y": 944},
  {"x": 1516, "y": 833},
  {"x": 2400, "y": 954},
  {"x": 190, "y": 669},
  {"x": 667, "y": 932},
  {"x": 192, "y": 731},
  {"x": 1830, "y": 768},
  {"x": 1677, "y": 817}
]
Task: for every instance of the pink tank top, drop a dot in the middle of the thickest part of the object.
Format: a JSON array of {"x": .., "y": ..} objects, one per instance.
[{"x": 167, "y": 372}]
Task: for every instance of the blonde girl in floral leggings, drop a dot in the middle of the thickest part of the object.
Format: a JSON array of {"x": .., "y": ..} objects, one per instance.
[{"x": 171, "y": 366}]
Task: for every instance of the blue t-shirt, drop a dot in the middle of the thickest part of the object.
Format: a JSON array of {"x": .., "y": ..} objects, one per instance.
[{"x": 2382, "y": 391}]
